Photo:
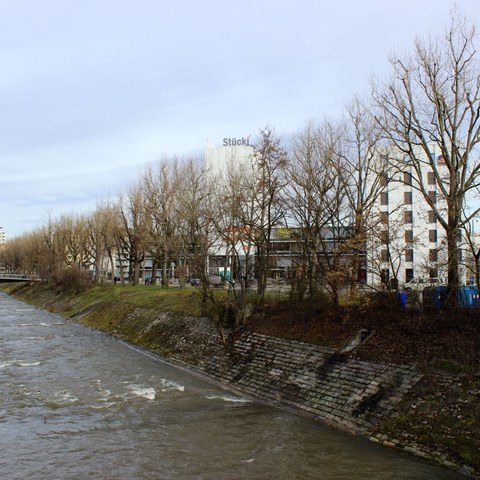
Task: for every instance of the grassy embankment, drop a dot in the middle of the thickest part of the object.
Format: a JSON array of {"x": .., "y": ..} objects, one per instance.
[{"x": 146, "y": 316}]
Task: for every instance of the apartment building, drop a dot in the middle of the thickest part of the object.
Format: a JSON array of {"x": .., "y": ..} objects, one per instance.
[
  {"x": 3, "y": 237},
  {"x": 406, "y": 240}
]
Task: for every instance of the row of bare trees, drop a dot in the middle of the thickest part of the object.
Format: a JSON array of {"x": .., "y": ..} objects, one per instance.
[{"x": 324, "y": 182}]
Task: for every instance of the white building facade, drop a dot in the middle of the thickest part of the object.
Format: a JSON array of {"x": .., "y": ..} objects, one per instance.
[{"x": 406, "y": 240}]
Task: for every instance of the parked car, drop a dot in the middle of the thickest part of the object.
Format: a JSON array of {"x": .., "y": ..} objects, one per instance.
[
  {"x": 195, "y": 282},
  {"x": 421, "y": 283}
]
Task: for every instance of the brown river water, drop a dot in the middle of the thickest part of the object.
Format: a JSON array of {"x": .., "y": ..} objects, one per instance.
[{"x": 78, "y": 405}]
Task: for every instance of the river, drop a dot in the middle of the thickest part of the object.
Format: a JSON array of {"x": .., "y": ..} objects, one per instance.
[{"x": 76, "y": 404}]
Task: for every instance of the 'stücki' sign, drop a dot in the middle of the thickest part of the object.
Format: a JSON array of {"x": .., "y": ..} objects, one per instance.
[{"x": 233, "y": 142}]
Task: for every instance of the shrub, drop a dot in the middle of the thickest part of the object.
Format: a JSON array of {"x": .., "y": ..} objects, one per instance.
[
  {"x": 70, "y": 279},
  {"x": 382, "y": 300}
]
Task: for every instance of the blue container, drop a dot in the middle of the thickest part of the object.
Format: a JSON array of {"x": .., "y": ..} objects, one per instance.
[
  {"x": 468, "y": 297},
  {"x": 402, "y": 299},
  {"x": 436, "y": 297}
]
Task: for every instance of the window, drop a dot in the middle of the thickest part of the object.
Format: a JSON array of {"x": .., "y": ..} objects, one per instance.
[
  {"x": 408, "y": 236},
  {"x": 383, "y": 179},
  {"x": 384, "y": 198},
  {"x": 433, "y": 255},
  {"x": 409, "y": 255},
  {"x": 432, "y": 235},
  {"x": 407, "y": 178},
  {"x": 384, "y": 237},
  {"x": 384, "y": 217},
  {"x": 408, "y": 274},
  {"x": 408, "y": 216},
  {"x": 432, "y": 272},
  {"x": 431, "y": 180},
  {"x": 407, "y": 198},
  {"x": 384, "y": 255},
  {"x": 432, "y": 195},
  {"x": 432, "y": 217}
]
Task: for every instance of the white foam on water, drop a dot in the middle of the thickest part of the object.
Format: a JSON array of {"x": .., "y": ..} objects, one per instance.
[
  {"x": 100, "y": 407},
  {"x": 142, "y": 391},
  {"x": 106, "y": 395},
  {"x": 228, "y": 398},
  {"x": 18, "y": 363},
  {"x": 8, "y": 363},
  {"x": 66, "y": 397},
  {"x": 169, "y": 385}
]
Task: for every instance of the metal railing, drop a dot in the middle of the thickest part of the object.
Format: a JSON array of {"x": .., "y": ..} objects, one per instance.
[{"x": 19, "y": 277}]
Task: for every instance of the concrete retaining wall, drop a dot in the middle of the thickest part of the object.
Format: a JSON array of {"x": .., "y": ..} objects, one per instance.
[{"x": 334, "y": 387}]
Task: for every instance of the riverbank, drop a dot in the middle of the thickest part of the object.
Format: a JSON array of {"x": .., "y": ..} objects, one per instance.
[{"x": 437, "y": 417}]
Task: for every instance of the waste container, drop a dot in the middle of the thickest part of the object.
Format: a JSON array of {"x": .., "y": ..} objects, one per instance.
[
  {"x": 436, "y": 297},
  {"x": 402, "y": 299}
]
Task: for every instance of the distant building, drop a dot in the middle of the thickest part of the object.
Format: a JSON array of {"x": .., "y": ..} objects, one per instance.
[
  {"x": 217, "y": 159},
  {"x": 235, "y": 155},
  {"x": 3, "y": 237}
]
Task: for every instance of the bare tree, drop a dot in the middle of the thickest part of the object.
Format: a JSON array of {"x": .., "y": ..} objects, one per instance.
[
  {"x": 101, "y": 243},
  {"x": 363, "y": 176},
  {"x": 72, "y": 240},
  {"x": 388, "y": 249},
  {"x": 317, "y": 198},
  {"x": 233, "y": 206},
  {"x": 433, "y": 102},
  {"x": 55, "y": 251},
  {"x": 195, "y": 228},
  {"x": 269, "y": 160},
  {"x": 131, "y": 233},
  {"x": 305, "y": 198},
  {"x": 160, "y": 187}
]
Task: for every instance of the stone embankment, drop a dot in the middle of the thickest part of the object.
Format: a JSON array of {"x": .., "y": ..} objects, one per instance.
[
  {"x": 335, "y": 388},
  {"x": 349, "y": 393}
]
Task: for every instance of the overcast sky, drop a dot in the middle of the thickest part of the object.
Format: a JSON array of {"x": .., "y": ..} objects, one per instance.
[{"x": 93, "y": 90}]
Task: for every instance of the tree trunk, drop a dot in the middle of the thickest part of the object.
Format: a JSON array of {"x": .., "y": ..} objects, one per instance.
[
  {"x": 164, "y": 274},
  {"x": 453, "y": 263},
  {"x": 477, "y": 269},
  {"x": 153, "y": 280},
  {"x": 136, "y": 272},
  {"x": 98, "y": 270}
]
